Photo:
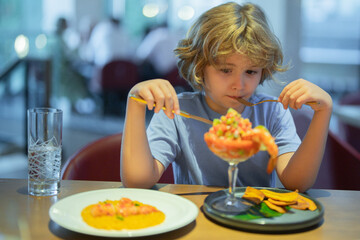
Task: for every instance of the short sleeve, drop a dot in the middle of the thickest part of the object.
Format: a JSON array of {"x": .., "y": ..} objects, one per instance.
[
  {"x": 283, "y": 128},
  {"x": 163, "y": 138}
]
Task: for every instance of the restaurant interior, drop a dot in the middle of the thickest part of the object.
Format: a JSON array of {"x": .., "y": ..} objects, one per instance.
[
  {"x": 49, "y": 56},
  {"x": 83, "y": 57}
]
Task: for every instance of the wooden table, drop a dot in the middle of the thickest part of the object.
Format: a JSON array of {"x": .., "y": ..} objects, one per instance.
[
  {"x": 349, "y": 114},
  {"x": 27, "y": 217}
]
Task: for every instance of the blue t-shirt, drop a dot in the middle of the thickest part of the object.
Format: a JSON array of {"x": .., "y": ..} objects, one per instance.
[{"x": 181, "y": 141}]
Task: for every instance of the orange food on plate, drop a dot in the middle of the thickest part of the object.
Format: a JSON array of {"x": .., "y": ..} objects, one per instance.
[
  {"x": 304, "y": 203},
  {"x": 281, "y": 203},
  {"x": 233, "y": 139},
  {"x": 253, "y": 195},
  {"x": 285, "y": 197},
  {"x": 122, "y": 214},
  {"x": 278, "y": 201},
  {"x": 277, "y": 208}
]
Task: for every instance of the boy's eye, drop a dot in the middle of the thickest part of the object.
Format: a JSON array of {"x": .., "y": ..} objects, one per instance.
[
  {"x": 251, "y": 72},
  {"x": 225, "y": 70}
]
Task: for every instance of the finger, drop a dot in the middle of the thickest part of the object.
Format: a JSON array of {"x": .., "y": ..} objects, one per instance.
[
  {"x": 296, "y": 97},
  {"x": 148, "y": 97},
  {"x": 159, "y": 99},
  {"x": 303, "y": 94},
  {"x": 289, "y": 87},
  {"x": 286, "y": 99},
  {"x": 176, "y": 105},
  {"x": 284, "y": 96},
  {"x": 290, "y": 94},
  {"x": 300, "y": 101},
  {"x": 168, "y": 101},
  {"x": 285, "y": 90}
]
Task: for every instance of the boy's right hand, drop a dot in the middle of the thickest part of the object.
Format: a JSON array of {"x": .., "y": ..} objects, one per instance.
[{"x": 159, "y": 92}]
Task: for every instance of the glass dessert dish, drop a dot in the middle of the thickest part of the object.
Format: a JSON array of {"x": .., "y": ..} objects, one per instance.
[{"x": 233, "y": 139}]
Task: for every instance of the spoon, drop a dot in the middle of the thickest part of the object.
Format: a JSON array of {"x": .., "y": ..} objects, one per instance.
[{"x": 246, "y": 103}]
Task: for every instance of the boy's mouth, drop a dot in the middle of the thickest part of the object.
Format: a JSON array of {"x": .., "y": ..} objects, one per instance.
[{"x": 235, "y": 97}]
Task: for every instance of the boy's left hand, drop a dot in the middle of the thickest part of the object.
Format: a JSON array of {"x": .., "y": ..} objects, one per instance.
[{"x": 300, "y": 91}]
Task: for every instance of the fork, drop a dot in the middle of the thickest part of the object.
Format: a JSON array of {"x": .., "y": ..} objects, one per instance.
[
  {"x": 243, "y": 101},
  {"x": 182, "y": 113}
]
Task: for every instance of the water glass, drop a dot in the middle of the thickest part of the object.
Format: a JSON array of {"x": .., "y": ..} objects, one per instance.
[{"x": 44, "y": 151}]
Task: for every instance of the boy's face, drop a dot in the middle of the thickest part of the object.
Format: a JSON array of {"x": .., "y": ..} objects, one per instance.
[{"x": 234, "y": 76}]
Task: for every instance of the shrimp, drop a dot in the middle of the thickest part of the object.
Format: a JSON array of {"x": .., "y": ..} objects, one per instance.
[
  {"x": 124, "y": 207},
  {"x": 267, "y": 143},
  {"x": 233, "y": 139},
  {"x": 102, "y": 209}
]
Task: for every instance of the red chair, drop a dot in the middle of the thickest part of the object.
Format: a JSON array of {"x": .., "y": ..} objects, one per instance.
[
  {"x": 100, "y": 161},
  {"x": 178, "y": 82},
  {"x": 351, "y": 133},
  {"x": 116, "y": 78},
  {"x": 119, "y": 75},
  {"x": 340, "y": 167}
]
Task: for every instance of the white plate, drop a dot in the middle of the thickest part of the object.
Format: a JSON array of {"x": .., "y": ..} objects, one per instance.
[{"x": 178, "y": 211}]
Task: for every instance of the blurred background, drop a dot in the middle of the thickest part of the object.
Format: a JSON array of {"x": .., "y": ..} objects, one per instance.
[{"x": 84, "y": 55}]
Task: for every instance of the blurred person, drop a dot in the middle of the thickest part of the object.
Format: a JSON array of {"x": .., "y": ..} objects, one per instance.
[
  {"x": 86, "y": 26},
  {"x": 83, "y": 66},
  {"x": 108, "y": 41},
  {"x": 68, "y": 85},
  {"x": 155, "y": 53}
]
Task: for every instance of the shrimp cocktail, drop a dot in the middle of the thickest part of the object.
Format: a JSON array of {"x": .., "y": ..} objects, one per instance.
[{"x": 233, "y": 139}]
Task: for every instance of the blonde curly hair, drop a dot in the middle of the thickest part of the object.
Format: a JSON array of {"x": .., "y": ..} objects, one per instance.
[{"x": 226, "y": 29}]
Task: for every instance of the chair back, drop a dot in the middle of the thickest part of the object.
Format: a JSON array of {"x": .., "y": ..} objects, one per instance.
[
  {"x": 116, "y": 79},
  {"x": 100, "y": 161},
  {"x": 350, "y": 133},
  {"x": 340, "y": 167},
  {"x": 119, "y": 75},
  {"x": 177, "y": 81}
]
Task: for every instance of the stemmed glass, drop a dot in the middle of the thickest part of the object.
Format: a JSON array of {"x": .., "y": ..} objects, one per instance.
[
  {"x": 231, "y": 204},
  {"x": 234, "y": 140}
]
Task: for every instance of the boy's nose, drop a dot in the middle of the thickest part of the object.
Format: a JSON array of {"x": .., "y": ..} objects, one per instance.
[{"x": 238, "y": 83}]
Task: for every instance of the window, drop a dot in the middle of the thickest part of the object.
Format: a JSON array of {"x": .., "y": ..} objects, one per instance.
[{"x": 330, "y": 43}]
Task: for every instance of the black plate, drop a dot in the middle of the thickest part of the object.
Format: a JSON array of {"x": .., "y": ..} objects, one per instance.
[{"x": 291, "y": 221}]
